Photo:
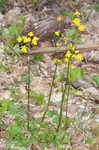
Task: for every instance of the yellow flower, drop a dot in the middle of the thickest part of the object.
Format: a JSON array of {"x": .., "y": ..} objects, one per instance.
[
  {"x": 19, "y": 39},
  {"x": 30, "y": 34},
  {"x": 81, "y": 27},
  {"x": 76, "y": 51},
  {"x": 58, "y": 44},
  {"x": 34, "y": 42},
  {"x": 77, "y": 21},
  {"x": 35, "y": 38},
  {"x": 77, "y": 13},
  {"x": 62, "y": 67},
  {"x": 73, "y": 48},
  {"x": 73, "y": 56},
  {"x": 70, "y": 45},
  {"x": 59, "y": 18},
  {"x": 24, "y": 49},
  {"x": 80, "y": 57},
  {"x": 57, "y": 33},
  {"x": 24, "y": 39},
  {"x": 66, "y": 59},
  {"x": 28, "y": 39},
  {"x": 56, "y": 60},
  {"x": 68, "y": 54}
]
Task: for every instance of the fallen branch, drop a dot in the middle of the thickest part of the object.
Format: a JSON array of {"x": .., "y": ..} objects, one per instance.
[
  {"x": 81, "y": 48},
  {"x": 62, "y": 49}
]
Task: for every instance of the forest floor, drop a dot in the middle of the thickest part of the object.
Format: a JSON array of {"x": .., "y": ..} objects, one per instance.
[{"x": 83, "y": 103}]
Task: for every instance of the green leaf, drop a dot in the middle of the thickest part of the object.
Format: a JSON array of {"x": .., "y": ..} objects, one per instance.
[
  {"x": 38, "y": 57},
  {"x": 13, "y": 58},
  {"x": 52, "y": 113},
  {"x": 65, "y": 13},
  {"x": 56, "y": 120},
  {"x": 69, "y": 120},
  {"x": 14, "y": 130},
  {"x": 95, "y": 78},
  {"x": 25, "y": 78},
  {"x": 21, "y": 18},
  {"x": 74, "y": 2},
  {"x": 75, "y": 74},
  {"x": 68, "y": 140},
  {"x": 35, "y": 1},
  {"x": 89, "y": 140},
  {"x": 35, "y": 140},
  {"x": 8, "y": 143},
  {"x": 2, "y": 67}
]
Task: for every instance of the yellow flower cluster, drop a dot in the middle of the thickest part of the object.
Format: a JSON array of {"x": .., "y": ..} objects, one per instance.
[
  {"x": 23, "y": 40},
  {"x": 72, "y": 53},
  {"x": 77, "y": 22},
  {"x": 56, "y": 60}
]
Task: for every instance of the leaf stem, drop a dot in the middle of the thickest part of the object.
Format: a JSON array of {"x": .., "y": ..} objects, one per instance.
[
  {"x": 63, "y": 98},
  {"x": 51, "y": 88}
]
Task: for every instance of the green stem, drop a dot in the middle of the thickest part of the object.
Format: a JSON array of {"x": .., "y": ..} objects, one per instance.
[
  {"x": 68, "y": 90},
  {"x": 63, "y": 98},
  {"x": 28, "y": 91},
  {"x": 61, "y": 109},
  {"x": 51, "y": 88}
]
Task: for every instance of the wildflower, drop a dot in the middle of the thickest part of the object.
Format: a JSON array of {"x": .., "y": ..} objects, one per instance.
[
  {"x": 59, "y": 18},
  {"x": 77, "y": 13},
  {"x": 19, "y": 39},
  {"x": 73, "y": 48},
  {"x": 68, "y": 54},
  {"x": 81, "y": 27},
  {"x": 58, "y": 44},
  {"x": 57, "y": 33},
  {"x": 76, "y": 51},
  {"x": 28, "y": 39},
  {"x": 70, "y": 45},
  {"x": 56, "y": 60},
  {"x": 77, "y": 21},
  {"x": 34, "y": 42},
  {"x": 73, "y": 56},
  {"x": 80, "y": 57},
  {"x": 24, "y": 49},
  {"x": 24, "y": 39},
  {"x": 30, "y": 34},
  {"x": 62, "y": 67},
  {"x": 35, "y": 38},
  {"x": 66, "y": 59}
]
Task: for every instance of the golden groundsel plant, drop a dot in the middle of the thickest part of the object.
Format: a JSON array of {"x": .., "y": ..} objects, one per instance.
[
  {"x": 25, "y": 40},
  {"x": 72, "y": 52}
]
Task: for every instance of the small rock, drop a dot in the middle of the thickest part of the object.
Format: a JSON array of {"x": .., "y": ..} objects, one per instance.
[{"x": 92, "y": 56}]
